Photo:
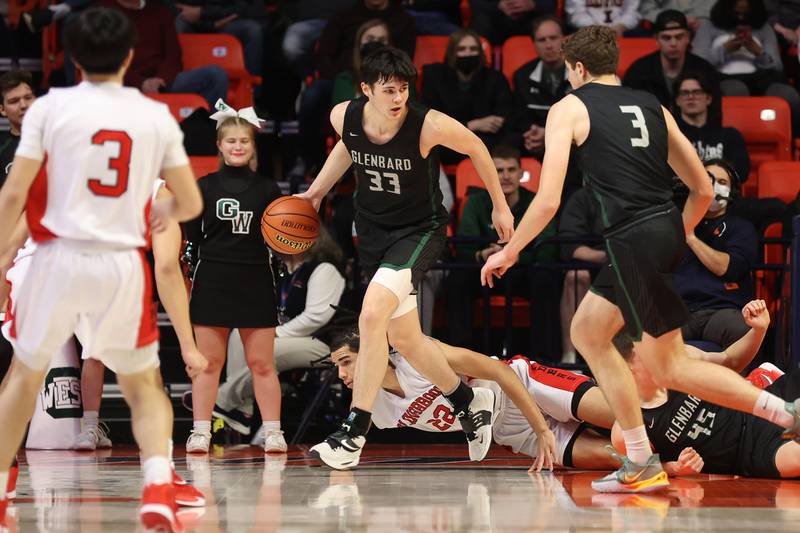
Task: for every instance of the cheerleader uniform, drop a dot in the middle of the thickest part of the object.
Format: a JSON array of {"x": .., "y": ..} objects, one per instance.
[{"x": 233, "y": 286}]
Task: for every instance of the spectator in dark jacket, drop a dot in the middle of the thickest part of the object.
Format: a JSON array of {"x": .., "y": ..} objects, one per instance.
[
  {"x": 656, "y": 73},
  {"x": 336, "y": 55},
  {"x": 156, "y": 65},
  {"x": 692, "y": 101},
  {"x": 714, "y": 277},
  {"x": 243, "y": 19},
  {"x": 538, "y": 85},
  {"x": 497, "y": 20},
  {"x": 468, "y": 90}
]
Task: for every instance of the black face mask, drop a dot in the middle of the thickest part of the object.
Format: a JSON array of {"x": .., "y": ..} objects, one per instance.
[
  {"x": 468, "y": 64},
  {"x": 369, "y": 47}
]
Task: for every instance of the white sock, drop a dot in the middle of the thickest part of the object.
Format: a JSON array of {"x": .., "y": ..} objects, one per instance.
[
  {"x": 157, "y": 470},
  {"x": 202, "y": 426},
  {"x": 3, "y": 484},
  {"x": 90, "y": 420},
  {"x": 637, "y": 445},
  {"x": 272, "y": 425},
  {"x": 770, "y": 407}
]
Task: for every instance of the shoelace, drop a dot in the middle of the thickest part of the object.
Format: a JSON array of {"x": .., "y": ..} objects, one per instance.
[{"x": 472, "y": 422}]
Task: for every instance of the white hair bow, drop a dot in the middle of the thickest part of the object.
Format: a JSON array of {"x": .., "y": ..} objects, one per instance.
[{"x": 224, "y": 111}]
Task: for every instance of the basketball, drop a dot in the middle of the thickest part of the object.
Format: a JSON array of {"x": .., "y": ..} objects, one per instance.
[{"x": 290, "y": 225}]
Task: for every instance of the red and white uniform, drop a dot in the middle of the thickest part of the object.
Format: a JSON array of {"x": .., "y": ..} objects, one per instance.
[
  {"x": 103, "y": 147},
  {"x": 556, "y": 392}
]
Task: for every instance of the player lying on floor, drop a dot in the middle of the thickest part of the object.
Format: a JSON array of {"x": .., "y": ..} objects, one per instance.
[
  {"x": 567, "y": 400},
  {"x": 718, "y": 439}
]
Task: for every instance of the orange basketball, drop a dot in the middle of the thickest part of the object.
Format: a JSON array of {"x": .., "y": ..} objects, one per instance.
[{"x": 290, "y": 225}]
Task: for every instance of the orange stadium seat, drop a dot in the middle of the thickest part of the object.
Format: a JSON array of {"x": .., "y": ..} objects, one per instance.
[
  {"x": 204, "y": 165},
  {"x": 467, "y": 176},
  {"x": 202, "y": 49},
  {"x": 517, "y": 51},
  {"x": 631, "y": 49},
  {"x": 766, "y": 125},
  {"x": 431, "y": 48},
  {"x": 181, "y": 105}
]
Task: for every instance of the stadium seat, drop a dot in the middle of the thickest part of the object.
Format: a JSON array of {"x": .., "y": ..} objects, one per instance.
[
  {"x": 467, "y": 176},
  {"x": 431, "y": 49},
  {"x": 181, "y": 105},
  {"x": 204, "y": 165},
  {"x": 203, "y": 49},
  {"x": 517, "y": 51},
  {"x": 765, "y": 123},
  {"x": 779, "y": 179},
  {"x": 631, "y": 49}
]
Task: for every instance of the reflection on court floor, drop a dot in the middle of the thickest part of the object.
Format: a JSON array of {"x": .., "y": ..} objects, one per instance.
[{"x": 397, "y": 488}]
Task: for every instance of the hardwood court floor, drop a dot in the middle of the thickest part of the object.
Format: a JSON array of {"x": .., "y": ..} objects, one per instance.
[{"x": 414, "y": 488}]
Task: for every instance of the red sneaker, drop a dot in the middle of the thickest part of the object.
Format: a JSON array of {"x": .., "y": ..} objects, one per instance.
[
  {"x": 4, "y": 522},
  {"x": 158, "y": 511},
  {"x": 765, "y": 375},
  {"x": 189, "y": 496},
  {"x": 177, "y": 479},
  {"x": 11, "y": 486}
]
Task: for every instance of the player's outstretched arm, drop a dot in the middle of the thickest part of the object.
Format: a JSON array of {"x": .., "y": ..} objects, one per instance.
[
  {"x": 336, "y": 164},
  {"x": 739, "y": 354},
  {"x": 172, "y": 291},
  {"x": 185, "y": 202},
  {"x": 687, "y": 165},
  {"x": 441, "y": 129},
  {"x": 14, "y": 194},
  {"x": 476, "y": 365}
]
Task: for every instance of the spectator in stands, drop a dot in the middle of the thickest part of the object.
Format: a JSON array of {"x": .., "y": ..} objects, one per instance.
[
  {"x": 538, "y": 85},
  {"x": 743, "y": 47},
  {"x": 469, "y": 90},
  {"x": 692, "y": 100},
  {"x": 241, "y": 18},
  {"x": 371, "y": 35},
  {"x": 308, "y": 285},
  {"x": 623, "y": 17},
  {"x": 784, "y": 17},
  {"x": 335, "y": 54},
  {"x": 497, "y": 20},
  {"x": 16, "y": 96},
  {"x": 309, "y": 18},
  {"x": 156, "y": 65},
  {"x": 38, "y": 19},
  {"x": 580, "y": 219},
  {"x": 696, "y": 11},
  {"x": 463, "y": 285},
  {"x": 714, "y": 277},
  {"x": 656, "y": 72},
  {"x": 434, "y": 17}
]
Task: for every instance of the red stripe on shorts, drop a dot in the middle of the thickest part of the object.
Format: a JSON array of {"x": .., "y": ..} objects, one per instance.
[
  {"x": 12, "y": 331},
  {"x": 36, "y": 206},
  {"x": 553, "y": 377},
  {"x": 148, "y": 327}
]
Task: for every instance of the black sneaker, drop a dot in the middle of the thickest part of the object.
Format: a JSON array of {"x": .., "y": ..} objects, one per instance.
[
  {"x": 477, "y": 423},
  {"x": 339, "y": 451},
  {"x": 38, "y": 19},
  {"x": 236, "y": 419}
]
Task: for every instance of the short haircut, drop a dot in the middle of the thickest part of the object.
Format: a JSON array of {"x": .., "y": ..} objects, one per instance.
[
  {"x": 623, "y": 343},
  {"x": 385, "y": 64},
  {"x": 725, "y": 165},
  {"x": 703, "y": 79},
  {"x": 13, "y": 79},
  {"x": 595, "y": 47},
  {"x": 100, "y": 39},
  {"x": 504, "y": 151},
  {"x": 346, "y": 337},
  {"x": 452, "y": 44},
  {"x": 538, "y": 21}
]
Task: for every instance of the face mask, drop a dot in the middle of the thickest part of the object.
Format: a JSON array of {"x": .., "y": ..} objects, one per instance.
[
  {"x": 721, "y": 195},
  {"x": 369, "y": 47},
  {"x": 468, "y": 64}
]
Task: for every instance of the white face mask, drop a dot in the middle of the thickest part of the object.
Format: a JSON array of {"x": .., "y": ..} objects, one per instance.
[{"x": 721, "y": 195}]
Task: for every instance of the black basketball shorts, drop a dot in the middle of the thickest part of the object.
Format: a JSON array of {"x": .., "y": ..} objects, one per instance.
[{"x": 642, "y": 255}]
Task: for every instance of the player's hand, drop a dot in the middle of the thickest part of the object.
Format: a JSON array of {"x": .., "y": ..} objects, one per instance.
[
  {"x": 161, "y": 214},
  {"x": 503, "y": 222},
  {"x": 195, "y": 362},
  {"x": 547, "y": 451},
  {"x": 496, "y": 266},
  {"x": 689, "y": 463},
  {"x": 756, "y": 315},
  {"x": 308, "y": 195}
]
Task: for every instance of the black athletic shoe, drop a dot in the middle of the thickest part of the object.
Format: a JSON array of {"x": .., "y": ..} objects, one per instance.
[
  {"x": 236, "y": 419},
  {"x": 38, "y": 19},
  {"x": 339, "y": 451}
]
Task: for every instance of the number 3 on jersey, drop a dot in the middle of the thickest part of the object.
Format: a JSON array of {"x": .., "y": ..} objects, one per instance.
[
  {"x": 643, "y": 141},
  {"x": 376, "y": 181},
  {"x": 120, "y": 164}
]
